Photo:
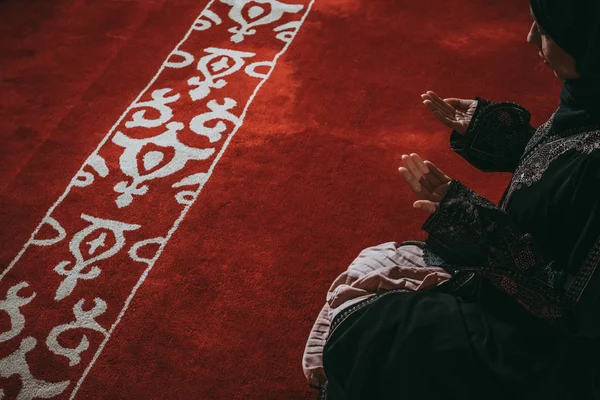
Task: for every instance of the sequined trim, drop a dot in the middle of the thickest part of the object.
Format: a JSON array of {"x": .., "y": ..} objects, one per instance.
[
  {"x": 476, "y": 236},
  {"x": 546, "y": 132},
  {"x": 583, "y": 276},
  {"x": 323, "y": 392},
  {"x": 531, "y": 168},
  {"x": 535, "y": 298},
  {"x": 540, "y": 133},
  {"x": 343, "y": 315}
]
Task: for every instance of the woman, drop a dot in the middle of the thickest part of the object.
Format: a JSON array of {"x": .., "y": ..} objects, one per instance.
[{"x": 520, "y": 316}]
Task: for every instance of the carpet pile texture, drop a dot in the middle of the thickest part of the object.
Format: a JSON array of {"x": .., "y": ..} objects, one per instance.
[{"x": 180, "y": 181}]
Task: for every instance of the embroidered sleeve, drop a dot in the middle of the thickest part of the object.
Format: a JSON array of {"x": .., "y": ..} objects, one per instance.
[
  {"x": 470, "y": 233},
  {"x": 496, "y": 137}
]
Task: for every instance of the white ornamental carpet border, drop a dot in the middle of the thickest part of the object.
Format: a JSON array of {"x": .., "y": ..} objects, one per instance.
[{"x": 79, "y": 271}]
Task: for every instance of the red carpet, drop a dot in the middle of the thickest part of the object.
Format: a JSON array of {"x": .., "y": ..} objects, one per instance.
[{"x": 177, "y": 192}]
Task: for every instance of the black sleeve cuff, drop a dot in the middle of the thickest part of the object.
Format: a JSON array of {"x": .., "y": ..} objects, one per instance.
[
  {"x": 496, "y": 136},
  {"x": 456, "y": 233}
]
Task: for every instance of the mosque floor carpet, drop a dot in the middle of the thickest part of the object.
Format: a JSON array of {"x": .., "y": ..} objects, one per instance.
[{"x": 181, "y": 181}]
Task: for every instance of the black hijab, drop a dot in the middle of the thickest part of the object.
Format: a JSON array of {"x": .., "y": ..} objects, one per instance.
[{"x": 574, "y": 25}]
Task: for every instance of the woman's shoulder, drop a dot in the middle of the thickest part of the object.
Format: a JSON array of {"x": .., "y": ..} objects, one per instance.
[
  {"x": 588, "y": 143},
  {"x": 586, "y": 160},
  {"x": 584, "y": 143}
]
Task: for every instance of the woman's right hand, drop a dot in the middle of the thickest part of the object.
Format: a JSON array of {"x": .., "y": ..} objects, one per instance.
[{"x": 456, "y": 114}]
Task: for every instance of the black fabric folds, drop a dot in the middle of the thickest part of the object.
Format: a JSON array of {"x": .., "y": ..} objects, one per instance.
[{"x": 525, "y": 323}]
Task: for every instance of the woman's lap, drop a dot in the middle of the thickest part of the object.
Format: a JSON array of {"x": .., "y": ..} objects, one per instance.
[
  {"x": 395, "y": 347},
  {"x": 402, "y": 340},
  {"x": 376, "y": 270},
  {"x": 436, "y": 345}
]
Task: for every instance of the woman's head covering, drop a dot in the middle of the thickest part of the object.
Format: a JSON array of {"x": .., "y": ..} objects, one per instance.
[{"x": 574, "y": 25}]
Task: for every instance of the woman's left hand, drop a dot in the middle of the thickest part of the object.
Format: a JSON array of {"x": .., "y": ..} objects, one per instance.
[{"x": 426, "y": 180}]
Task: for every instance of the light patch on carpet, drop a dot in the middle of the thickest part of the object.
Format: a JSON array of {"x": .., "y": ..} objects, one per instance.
[{"x": 98, "y": 242}]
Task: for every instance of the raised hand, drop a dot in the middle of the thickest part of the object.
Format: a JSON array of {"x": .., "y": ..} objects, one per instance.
[
  {"x": 456, "y": 114},
  {"x": 426, "y": 180}
]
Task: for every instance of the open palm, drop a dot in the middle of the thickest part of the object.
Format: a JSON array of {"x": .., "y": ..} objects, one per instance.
[
  {"x": 454, "y": 113},
  {"x": 426, "y": 180}
]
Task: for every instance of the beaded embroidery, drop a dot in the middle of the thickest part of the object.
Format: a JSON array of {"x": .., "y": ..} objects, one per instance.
[
  {"x": 583, "y": 276},
  {"x": 540, "y": 156},
  {"x": 474, "y": 235}
]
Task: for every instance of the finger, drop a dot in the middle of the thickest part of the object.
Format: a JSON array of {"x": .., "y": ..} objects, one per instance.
[
  {"x": 435, "y": 106},
  {"x": 426, "y": 96},
  {"x": 438, "y": 100},
  {"x": 437, "y": 172},
  {"x": 437, "y": 103},
  {"x": 433, "y": 179},
  {"x": 412, "y": 167},
  {"x": 413, "y": 184},
  {"x": 418, "y": 161},
  {"x": 433, "y": 182},
  {"x": 439, "y": 192},
  {"x": 429, "y": 104},
  {"x": 459, "y": 104},
  {"x": 432, "y": 105},
  {"x": 429, "y": 206},
  {"x": 450, "y": 123}
]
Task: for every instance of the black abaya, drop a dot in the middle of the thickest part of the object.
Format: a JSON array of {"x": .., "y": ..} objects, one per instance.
[
  {"x": 521, "y": 326},
  {"x": 520, "y": 318}
]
